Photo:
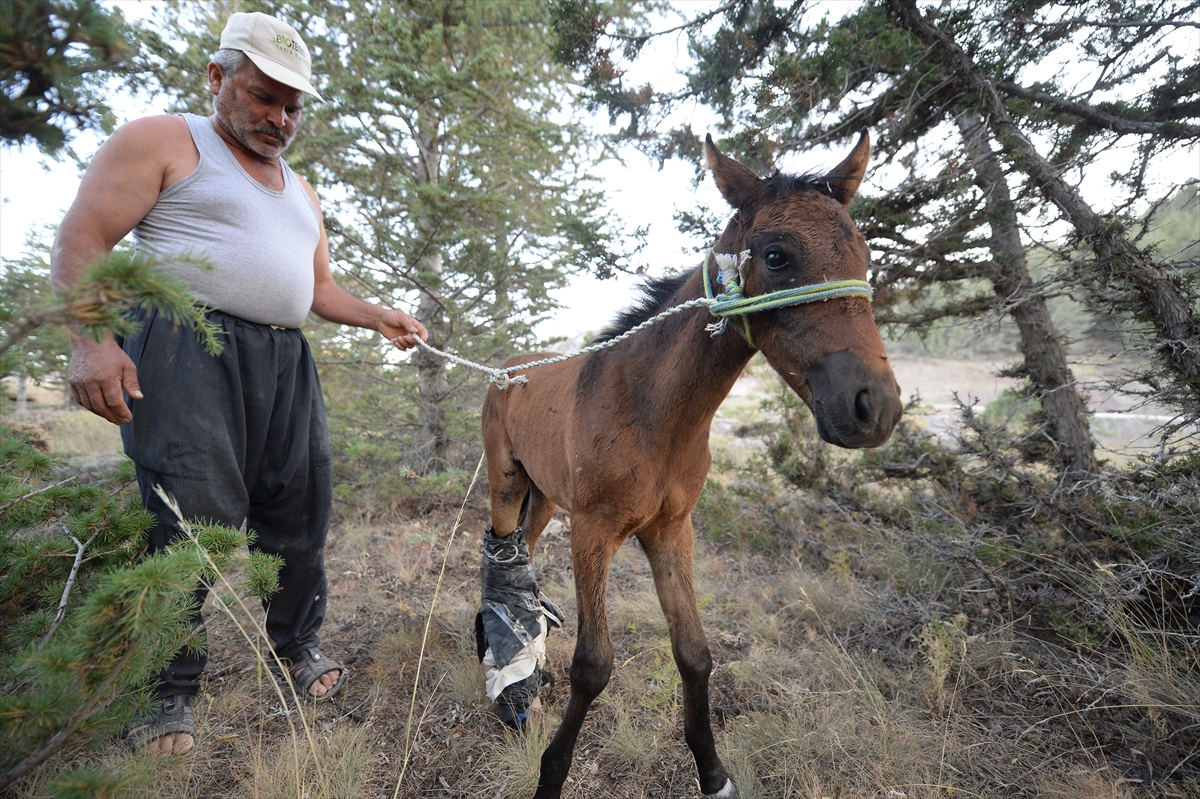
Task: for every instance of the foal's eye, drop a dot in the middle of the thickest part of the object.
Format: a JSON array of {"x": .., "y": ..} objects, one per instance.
[{"x": 776, "y": 259}]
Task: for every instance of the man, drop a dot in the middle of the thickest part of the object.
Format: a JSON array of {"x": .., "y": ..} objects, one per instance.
[{"x": 238, "y": 437}]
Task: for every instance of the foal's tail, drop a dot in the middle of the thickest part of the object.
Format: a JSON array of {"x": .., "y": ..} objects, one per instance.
[{"x": 526, "y": 511}]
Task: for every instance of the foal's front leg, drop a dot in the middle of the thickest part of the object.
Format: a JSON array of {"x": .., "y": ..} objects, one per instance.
[
  {"x": 591, "y": 667},
  {"x": 671, "y": 554}
]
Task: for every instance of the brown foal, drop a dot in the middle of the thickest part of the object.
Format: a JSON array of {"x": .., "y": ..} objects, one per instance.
[{"x": 620, "y": 437}]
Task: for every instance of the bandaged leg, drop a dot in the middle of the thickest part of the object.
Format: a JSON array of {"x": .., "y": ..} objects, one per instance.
[{"x": 511, "y": 626}]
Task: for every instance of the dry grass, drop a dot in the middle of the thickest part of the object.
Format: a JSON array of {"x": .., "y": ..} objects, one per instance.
[
  {"x": 345, "y": 762},
  {"x": 836, "y": 676},
  {"x": 82, "y": 433},
  {"x": 635, "y": 740}
]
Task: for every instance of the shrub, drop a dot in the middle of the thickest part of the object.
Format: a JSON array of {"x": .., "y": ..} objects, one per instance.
[{"x": 88, "y": 619}]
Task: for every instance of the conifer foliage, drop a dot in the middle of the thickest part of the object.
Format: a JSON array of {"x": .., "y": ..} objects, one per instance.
[
  {"x": 54, "y": 55},
  {"x": 86, "y": 618},
  {"x": 985, "y": 117}
]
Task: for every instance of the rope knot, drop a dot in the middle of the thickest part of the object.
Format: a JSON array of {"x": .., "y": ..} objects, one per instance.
[
  {"x": 502, "y": 379},
  {"x": 731, "y": 268}
]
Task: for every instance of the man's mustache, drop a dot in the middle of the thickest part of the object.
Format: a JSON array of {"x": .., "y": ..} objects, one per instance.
[{"x": 271, "y": 130}]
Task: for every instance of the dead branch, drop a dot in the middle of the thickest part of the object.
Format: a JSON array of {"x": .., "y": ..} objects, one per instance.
[{"x": 66, "y": 594}]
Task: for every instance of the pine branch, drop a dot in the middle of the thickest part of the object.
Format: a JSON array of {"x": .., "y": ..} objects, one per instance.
[
  {"x": 747, "y": 61},
  {"x": 85, "y": 712},
  {"x": 115, "y": 285},
  {"x": 32, "y": 494},
  {"x": 1121, "y": 125},
  {"x": 1115, "y": 23},
  {"x": 974, "y": 307},
  {"x": 692, "y": 24}
]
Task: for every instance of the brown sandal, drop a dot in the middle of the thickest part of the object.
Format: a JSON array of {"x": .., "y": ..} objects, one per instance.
[
  {"x": 174, "y": 715},
  {"x": 306, "y": 669}
]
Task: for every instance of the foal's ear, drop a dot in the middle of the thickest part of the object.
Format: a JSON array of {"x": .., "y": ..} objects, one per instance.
[
  {"x": 738, "y": 184},
  {"x": 849, "y": 173}
]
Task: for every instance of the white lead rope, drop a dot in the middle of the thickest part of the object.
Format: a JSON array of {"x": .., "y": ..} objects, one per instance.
[
  {"x": 732, "y": 302},
  {"x": 505, "y": 376}
]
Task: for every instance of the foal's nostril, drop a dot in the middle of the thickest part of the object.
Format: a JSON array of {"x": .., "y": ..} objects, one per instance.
[{"x": 862, "y": 406}]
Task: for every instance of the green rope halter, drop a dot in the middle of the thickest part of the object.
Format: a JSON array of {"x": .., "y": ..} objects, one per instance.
[{"x": 734, "y": 303}]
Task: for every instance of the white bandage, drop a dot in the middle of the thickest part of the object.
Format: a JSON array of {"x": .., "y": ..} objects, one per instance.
[{"x": 523, "y": 664}]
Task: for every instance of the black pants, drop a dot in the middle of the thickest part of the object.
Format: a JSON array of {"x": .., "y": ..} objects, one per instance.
[{"x": 236, "y": 437}]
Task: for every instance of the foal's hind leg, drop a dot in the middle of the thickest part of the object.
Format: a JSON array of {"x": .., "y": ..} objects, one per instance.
[
  {"x": 671, "y": 557},
  {"x": 591, "y": 667}
]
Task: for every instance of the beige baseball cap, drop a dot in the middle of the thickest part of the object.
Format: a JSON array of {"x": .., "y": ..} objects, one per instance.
[{"x": 273, "y": 46}]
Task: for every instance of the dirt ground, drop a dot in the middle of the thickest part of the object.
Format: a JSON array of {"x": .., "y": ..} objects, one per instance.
[
  {"x": 829, "y": 682},
  {"x": 818, "y": 689}
]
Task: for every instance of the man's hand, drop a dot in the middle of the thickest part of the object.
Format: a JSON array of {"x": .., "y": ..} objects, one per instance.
[
  {"x": 401, "y": 329},
  {"x": 97, "y": 373}
]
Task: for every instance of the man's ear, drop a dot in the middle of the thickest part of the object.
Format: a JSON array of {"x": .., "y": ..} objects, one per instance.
[
  {"x": 738, "y": 184},
  {"x": 848, "y": 175},
  {"x": 216, "y": 76}
]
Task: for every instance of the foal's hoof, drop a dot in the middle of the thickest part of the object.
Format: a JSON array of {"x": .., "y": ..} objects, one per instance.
[
  {"x": 519, "y": 718},
  {"x": 520, "y": 701},
  {"x": 727, "y": 791}
]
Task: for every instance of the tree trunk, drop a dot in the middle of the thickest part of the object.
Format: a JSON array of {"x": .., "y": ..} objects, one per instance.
[
  {"x": 433, "y": 385},
  {"x": 22, "y": 392},
  {"x": 1064, "y": 409},
  {"x": 1156, "y": 297}
]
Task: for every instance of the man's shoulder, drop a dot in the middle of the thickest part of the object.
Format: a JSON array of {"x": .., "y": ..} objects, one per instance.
[
  {"x": 157, "y": 149},
  {"x": 163, "y": 128},
  {"x": 309, "y": 190}
]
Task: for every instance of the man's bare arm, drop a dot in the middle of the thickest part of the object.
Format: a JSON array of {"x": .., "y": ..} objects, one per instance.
[
  {"x": 332, "y": 302},
  {"x": 119, "y": 188}
]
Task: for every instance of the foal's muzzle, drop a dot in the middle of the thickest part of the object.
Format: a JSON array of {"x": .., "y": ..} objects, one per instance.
[{"x": 854, "y": 405}]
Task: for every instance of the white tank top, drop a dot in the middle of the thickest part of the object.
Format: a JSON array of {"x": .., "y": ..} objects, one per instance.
[{"x": 260, "y": 242}]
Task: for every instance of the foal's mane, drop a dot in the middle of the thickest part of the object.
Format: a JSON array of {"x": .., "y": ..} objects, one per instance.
[
  {"x": 656, "y": 296},
  {"x": 781, "y": 184},
  {"x": 657, "y": 291}
]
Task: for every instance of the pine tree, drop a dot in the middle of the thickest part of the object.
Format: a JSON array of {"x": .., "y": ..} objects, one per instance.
[
  {"x": 87, "y": 619},
  {"x": 941, "y": 91},
  {"x": 25, "y": 283}
]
